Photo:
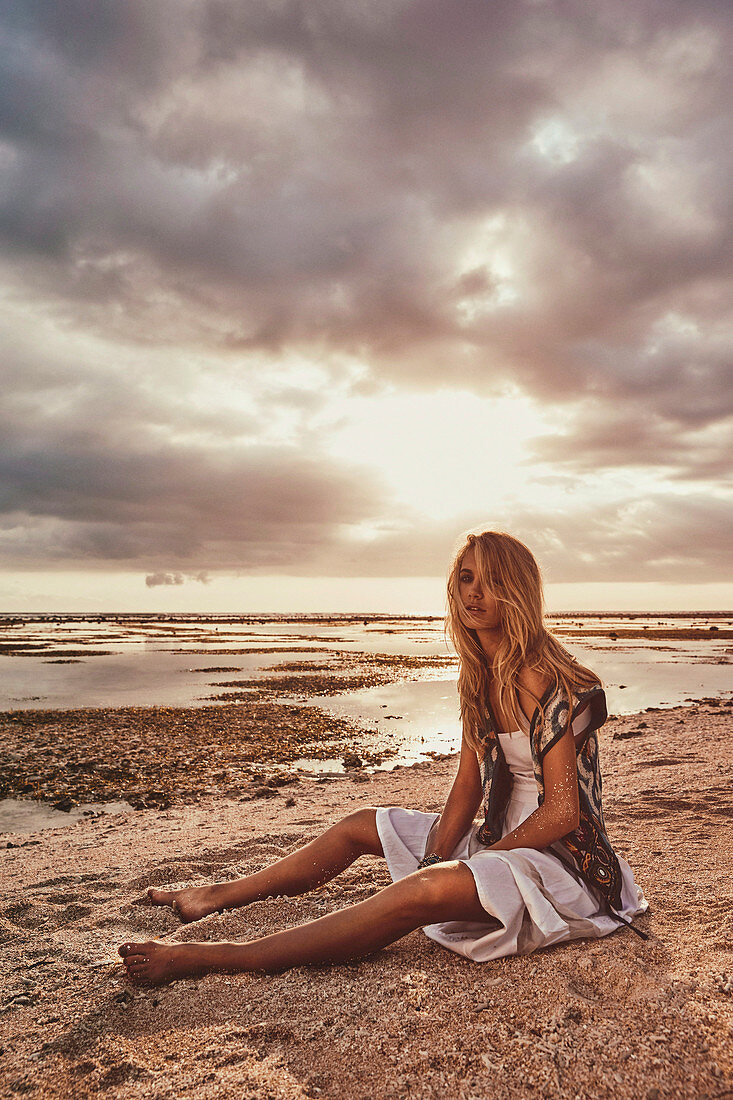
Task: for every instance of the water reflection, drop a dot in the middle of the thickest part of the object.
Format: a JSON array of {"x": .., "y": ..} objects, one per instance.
[
  {"x": 177, "y": 660},
  {"x": 162, "y": 661},
  {"x": 24, "y": 815},
  {"x": 420, "y": 717}
]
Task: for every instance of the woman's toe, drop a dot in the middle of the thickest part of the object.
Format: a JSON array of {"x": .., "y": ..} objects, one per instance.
[
  {"x": 135, "y": 960},
  {"x": 161, "y": 897},
  {"x": 134, "y": 950}
]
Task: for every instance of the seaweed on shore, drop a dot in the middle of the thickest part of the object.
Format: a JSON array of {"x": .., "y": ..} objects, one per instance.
[
  {"x": 346, "y": 672},
  {"x": 158, "y": 755}
]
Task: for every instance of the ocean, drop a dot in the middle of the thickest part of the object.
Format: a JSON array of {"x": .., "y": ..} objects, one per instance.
[{"x": 72, "y": 661}]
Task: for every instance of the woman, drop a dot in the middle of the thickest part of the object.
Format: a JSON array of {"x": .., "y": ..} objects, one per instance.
[{"x": 539, "y": 869}]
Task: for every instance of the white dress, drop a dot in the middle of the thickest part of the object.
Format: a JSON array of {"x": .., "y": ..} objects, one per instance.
[{"x": 531, "y": 900}]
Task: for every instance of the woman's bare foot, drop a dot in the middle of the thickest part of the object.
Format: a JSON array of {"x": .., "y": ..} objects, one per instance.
[
  {"x": 155, "y": 963},
  {"x": 191, "y": 903}
]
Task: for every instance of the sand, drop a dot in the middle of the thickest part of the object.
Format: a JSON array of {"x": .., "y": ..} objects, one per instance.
[{"x": 616, "y": 1017}]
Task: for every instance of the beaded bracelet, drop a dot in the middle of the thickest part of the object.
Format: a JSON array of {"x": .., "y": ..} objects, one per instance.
[{"x": 429, "y": 861}]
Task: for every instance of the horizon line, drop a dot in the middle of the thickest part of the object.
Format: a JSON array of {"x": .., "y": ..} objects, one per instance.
[{"x": 724, "y": 613}]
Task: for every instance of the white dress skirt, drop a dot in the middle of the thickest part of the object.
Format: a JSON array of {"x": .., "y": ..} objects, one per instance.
[{"x": 531, "y": 900}]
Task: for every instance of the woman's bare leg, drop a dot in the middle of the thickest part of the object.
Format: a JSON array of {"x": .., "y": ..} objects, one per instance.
[
  {"x": 443, "y": 892},
  {"x": 317, "y": 862}
]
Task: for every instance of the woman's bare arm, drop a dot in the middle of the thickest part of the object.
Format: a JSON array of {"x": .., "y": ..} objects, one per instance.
[
  {"x": 559, "y": 814},
  {"x": 460, "y": 806}
]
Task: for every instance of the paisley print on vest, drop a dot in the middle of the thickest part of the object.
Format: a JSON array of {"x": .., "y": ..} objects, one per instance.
[{"x": 590, "y": 856}]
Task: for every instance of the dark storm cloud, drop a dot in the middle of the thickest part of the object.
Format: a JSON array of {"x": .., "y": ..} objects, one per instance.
[
  {"x": 633, "y": 435},
  {"x": 92, "y": 468},
  {"x": 317, "y": 163},
  {"x": 155, "y": 580},
  {"x": 77, "y": 500},
  {"x": 516, "y": 192}
]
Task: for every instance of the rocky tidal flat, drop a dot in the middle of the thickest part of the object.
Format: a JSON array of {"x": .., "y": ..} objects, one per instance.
[{"x": 154, "y": 756}]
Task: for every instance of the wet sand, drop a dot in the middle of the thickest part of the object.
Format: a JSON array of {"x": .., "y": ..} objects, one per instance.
[
  {"x": 677, "y": 634},
  {"x": 616, "y": 1017}
]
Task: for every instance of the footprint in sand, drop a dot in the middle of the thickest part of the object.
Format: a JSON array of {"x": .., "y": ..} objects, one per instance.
[
  {"x": 24, "y": 914},
  {"x": 173, "y": 872},
  {"x": 67, "y": 880}
]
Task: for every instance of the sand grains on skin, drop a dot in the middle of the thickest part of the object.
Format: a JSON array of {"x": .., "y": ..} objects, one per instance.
[{"x": 154, "y": 963}]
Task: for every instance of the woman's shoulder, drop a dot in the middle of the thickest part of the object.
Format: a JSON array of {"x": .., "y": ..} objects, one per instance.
[{"x": 549, "y": 689}]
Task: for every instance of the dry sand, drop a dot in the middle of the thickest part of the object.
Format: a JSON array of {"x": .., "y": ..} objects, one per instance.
[{"x": 616, "y": 1017}]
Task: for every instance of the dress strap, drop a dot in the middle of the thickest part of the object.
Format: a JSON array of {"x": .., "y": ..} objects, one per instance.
[
  {"x": 617, "y": 916},
  {"x": 523, "y": 721}
]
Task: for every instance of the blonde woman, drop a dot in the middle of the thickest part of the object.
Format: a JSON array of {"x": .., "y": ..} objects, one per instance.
[{"x": 539, "y": 868}]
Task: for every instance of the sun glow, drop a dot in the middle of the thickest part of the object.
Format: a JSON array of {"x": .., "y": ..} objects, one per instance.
[{"x": 443, "y": 453}]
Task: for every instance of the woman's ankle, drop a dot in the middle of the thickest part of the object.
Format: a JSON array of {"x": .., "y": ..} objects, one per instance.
[{"x": 229, "y": 895}]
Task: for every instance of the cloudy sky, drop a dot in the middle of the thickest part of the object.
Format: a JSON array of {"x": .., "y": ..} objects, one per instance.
[{"x": 296, "y": 291}]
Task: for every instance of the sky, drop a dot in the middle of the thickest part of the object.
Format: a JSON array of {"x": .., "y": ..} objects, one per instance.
[{"x": 296, "y": 292}]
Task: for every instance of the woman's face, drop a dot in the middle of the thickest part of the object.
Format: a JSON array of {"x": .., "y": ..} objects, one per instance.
[{"x": 481, "y": 609}]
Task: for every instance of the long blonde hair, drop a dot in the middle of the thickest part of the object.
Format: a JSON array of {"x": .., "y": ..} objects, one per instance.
[{"x": 508, "y": 571}]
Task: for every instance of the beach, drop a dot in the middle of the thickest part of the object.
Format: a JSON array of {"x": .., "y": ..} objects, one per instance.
[{"x": 615, "y": 1017}]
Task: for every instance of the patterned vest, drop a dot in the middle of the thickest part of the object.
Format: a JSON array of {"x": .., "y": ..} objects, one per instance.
[{"x": 590, "y": 855}]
